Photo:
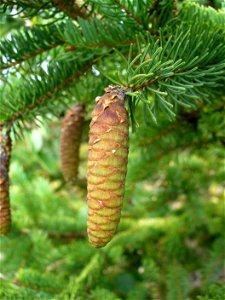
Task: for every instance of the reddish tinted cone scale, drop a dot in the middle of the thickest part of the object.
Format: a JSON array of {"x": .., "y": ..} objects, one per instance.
[
  {"x": 70, "y": 141},
  {"x": 5, "y": 214},
  {"x": 107, "y": 166}
]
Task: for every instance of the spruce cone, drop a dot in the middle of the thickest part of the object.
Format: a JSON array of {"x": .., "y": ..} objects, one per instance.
[
  {"x": 5, "y": 214},
  {"x": 107, "y": 165},
  {"x": 70, "y": 141}
]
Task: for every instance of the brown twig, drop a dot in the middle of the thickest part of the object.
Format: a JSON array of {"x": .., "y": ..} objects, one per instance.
[
  {"x": 159, "y": 135},
  {"x": 99, "y": 45},
  {"x": 137, "y": 20},
  {"x": 67, "y": 236},
  {"x": 140, "y": 87},
  {"x": 67, "y": 48},
  {"x": 70, "y": 8},
  {"x": 36, "y": 288},
  {"x": 30, "y": 55}
]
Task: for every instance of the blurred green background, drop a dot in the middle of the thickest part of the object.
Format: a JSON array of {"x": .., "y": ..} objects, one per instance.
[{"x": 169, "y": 243}]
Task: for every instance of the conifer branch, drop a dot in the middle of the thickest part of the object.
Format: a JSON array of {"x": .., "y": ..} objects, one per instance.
[
  {"x": 187, "y": 117},
  {"x": 132, "y": 14},
  {"x": 30, "y": 55},
  {"x": 178, "y": 122},
  {"x": 129, "y": 13},
  {"x": 66, "y": 236},
  {"x": 90, "y": 270},
  {"x": 159, "y": 135},
  {"x": 22, "y": 4},
  {"x": 141, "y": 225},
  {"x": 71, "y": 8},
  {"x": 36, "y": 288},
  {"x": 36, "y": 40},
  {"x": 173, "y": 167},
  {"x": 194, "y": 12},
  {"x": 20, "y": 114},
  {"x": 97, "y": 33},
  {"x": 161, "y": 76},
  {"x": 159, "y": 13},
  {"x": 102, "y": 44},
  {"x": 29, "y": 43}
]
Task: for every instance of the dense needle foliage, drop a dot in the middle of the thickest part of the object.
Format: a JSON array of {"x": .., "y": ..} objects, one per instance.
[{"x": 169, "y": 58}]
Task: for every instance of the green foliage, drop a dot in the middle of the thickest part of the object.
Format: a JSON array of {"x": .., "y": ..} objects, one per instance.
[
  {"x": 169, "y": 58},
  {"x": 214, "y": 291},
  {"x": 169, "y": 244},
  {"x": 35, "y": 91},
  {"x": 179, "y": 63},
  {"x": 27, "y": 43},
  {"x": 96, "y": 33},
  {"x": 43, "y": 8}
]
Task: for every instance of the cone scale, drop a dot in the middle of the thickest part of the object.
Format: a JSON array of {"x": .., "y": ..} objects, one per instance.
[
  {"x": 5, "y": 213},
  {"x": 107, "y": 166},
  {"x": 70, "y": 141}
]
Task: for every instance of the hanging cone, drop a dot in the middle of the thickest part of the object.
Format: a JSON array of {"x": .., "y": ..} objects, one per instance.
[
  {"x": 5, "y": 151},
  {"x": 71, "y": 133},
  {"x": 107, "y": 165}
]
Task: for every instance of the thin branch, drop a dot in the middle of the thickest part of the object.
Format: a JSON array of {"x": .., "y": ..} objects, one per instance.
[
  {"x": 99, "y": 45},
  {"x": 140, "y": 87},
  {"x": 66, "y": 236},
  {"x": 30, "y": 55},
  {"x": 48, "y": 95},
  {"x": 35, "y": 287},
  {"x": 90, "y": 269},
  {"x": 159, "y": 135},
  {"x": 164, "y": 132},
  {"x": 26, "y": 4},
  {"x": 129, "y": 13},
  {"x": 67, "y": 48},
  {"x": 70, "y": 8}
]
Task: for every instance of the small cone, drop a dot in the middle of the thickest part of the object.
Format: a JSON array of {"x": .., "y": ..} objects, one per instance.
[
  {"x": 71, "y": 133},
  {"x": 5, "y": 214},
  {"x": 107, "y": 166}
]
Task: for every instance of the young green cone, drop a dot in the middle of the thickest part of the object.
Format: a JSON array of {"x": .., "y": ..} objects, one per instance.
[
  {"x": 5, "y": 151},
  {"x": 107, "y": 165},
  {"x": 70, "y": 141}
]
